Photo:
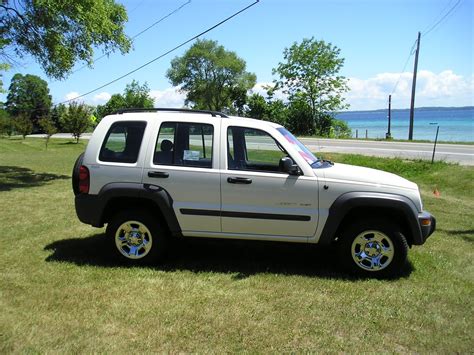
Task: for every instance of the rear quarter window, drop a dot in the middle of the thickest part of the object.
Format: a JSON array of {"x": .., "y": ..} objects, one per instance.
[{"x": 122, "y": 142}]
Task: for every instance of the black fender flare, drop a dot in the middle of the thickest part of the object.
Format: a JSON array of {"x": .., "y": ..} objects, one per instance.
[
  {"x": 345, "y": 203},
  {"x": 154, "y": 193}
]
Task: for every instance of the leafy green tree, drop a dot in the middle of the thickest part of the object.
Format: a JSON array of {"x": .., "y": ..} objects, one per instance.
[
  {"x": 48, "y": 127},
  {"x": 300, "y": 120},
  {"x": 3, "y": 67},
  {"x": 134, "y": 96},
  {"x": 309, "y": 72},
  {"x": 22, "y": 125},
  {"x": 212, "y": 77},
  {"x": 277, "y": 111},
  {"x": 257, "y": 107},
  {"x": 28, "y": 95},
  {"x": 6, "y": 124},
  {"x": 57, "y": 116},
  {"x": 77, "y": 119},
  {"x": 60, "y": 33},
  {"x": 340, "y": 129}
]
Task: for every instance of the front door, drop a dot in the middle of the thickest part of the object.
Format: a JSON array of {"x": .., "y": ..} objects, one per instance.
[{"x": 258, "y": 198}]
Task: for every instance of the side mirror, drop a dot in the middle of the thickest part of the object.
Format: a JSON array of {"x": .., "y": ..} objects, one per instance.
[{"x": 287, "y": 165}]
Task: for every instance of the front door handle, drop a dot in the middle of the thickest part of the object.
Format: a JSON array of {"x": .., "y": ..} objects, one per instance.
[
  {"x": 239, "y": 180},
  {"x": 158, "y": 174}
]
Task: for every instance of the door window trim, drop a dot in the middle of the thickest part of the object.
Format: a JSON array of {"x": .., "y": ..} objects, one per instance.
[
  {"x": 278, "y": 144},
  {"x": 175, "y": 137}
]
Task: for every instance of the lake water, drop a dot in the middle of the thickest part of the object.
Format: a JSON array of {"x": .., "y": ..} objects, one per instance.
[{"x": 455, "y": 124}]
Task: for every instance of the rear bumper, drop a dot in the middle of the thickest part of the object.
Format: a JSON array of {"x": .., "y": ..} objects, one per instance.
[
  {"x": 427, "y": 223},
  {"x": 88, "y": 209}
]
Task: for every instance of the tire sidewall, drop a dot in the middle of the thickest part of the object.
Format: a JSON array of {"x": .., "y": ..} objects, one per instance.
[
  {"x": 159, "y": 240},
  {"x": 392, "y": 231}
]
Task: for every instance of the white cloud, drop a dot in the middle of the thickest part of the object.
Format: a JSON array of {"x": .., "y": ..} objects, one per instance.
[
  {"x": 432, "y": 89},
  {"x": 170, "y": 97},
  {"x": 102, "y": 97},
  {"x": 71, "y": 95}
]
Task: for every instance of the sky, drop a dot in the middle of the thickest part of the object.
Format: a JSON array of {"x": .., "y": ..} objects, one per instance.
[{"x": 375, "y": 37}]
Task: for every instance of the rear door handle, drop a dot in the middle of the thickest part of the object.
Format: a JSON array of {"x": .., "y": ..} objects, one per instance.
[
  {"x": 158, "y": 174},
  {"x": 239, "y": 180}
]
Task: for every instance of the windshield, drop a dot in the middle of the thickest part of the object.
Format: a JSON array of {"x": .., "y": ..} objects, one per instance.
[{"x": 302, "y": 150}]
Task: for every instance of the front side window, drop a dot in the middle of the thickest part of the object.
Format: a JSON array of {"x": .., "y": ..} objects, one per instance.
[
  {"x": 122, "y": 142},
  {"x": 253, "y": 149},
  {"x": 184, "y": 144}
]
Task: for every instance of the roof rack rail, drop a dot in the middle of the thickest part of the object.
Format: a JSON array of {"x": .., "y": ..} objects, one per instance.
[{"x": 159, "y": 109}]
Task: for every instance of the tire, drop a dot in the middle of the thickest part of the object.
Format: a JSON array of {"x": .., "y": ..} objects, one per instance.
[
  {"x": 137, "y": 238},
  {"x": 75, "y": 173},
  {"x": 373, "y": 249}
]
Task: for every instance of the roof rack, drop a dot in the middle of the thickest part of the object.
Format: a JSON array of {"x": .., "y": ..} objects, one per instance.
[{"x": 159, "y": 109}]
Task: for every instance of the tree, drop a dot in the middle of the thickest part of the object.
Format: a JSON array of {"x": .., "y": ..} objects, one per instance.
[
  {"x": 212, "y": 77},
  {"x": 48, "y": 127},
  {"x": 28, "y": 96},
  {"x": 340, "y": 129},
  {"x": 300, "y": 120},
  {"x": 59, "y": 33},
  {"x": 3, "y": 67},
  {"x": 6, "y": 124},
  {"x": 57, "y": 116},
  {"x": 309, "y": 72},
  {"x": 23, "y": 125},
  {"x": 257, "y": 107},
  {"x": 134, "y": 96},
  {"x": 77, "y": 119}
]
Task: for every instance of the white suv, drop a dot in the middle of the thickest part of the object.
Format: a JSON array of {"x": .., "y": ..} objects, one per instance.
[{"x": 156, "y": 174}]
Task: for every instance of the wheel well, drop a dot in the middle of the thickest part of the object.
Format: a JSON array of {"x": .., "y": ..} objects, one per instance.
[
  {"x": 117, "y": 204},
  {"x": 394, "y": 215}
]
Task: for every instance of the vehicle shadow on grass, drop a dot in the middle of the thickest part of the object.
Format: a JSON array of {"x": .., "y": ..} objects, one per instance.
[
  {"x": 240, "y": 258},
  {"x": 13, "y": 177},
  {"x": 467, "y": 235}
]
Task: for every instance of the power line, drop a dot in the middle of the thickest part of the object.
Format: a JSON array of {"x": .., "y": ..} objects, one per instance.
[
  {"x": 442, "y": 18},
  {"x": 162, "y": 55},
  {"x": 139, "y": 33},
  {"x": 404, "y": 67},
  {"x": 427, "y": 30},
  {"x": 136, "y": 7},
  {"x": 448, "y": 4}
]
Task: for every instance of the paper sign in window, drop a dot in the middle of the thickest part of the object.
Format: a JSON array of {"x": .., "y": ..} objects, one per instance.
[{"x": 191, "y": 155}]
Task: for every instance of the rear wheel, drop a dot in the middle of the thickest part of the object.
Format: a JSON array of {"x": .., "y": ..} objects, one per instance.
[
  {"x": 373, "y": 248},
  {"x": 137, "y": 237}
]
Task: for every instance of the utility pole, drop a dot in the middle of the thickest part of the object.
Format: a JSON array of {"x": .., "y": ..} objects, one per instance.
[
  {"x": 413, "y": 87},
  {"x": 388, "y": 135}
]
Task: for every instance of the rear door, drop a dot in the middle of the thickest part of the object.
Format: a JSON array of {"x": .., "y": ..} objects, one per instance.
[{"x": 183, "y": 159}]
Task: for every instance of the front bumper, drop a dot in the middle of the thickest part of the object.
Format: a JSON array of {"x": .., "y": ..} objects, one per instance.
[{"x": 427, "y": 223}]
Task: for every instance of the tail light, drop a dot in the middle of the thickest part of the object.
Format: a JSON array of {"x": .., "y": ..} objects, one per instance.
[{"x": 84, "y": 180}]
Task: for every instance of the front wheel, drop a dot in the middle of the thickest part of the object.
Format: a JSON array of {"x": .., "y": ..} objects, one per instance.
[
  {"x": 137, "y": 237},
  {"x": 371, "y": 248}
]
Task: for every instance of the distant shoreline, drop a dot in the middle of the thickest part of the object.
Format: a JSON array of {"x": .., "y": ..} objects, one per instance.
[{"x": 425, "y": 108}]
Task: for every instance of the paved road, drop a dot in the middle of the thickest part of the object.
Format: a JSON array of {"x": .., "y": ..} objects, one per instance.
[{"x": 460, "y": 153}]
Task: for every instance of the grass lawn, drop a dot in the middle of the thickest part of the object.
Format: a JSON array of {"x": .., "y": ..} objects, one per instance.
[{"x": 61, "y": 292}]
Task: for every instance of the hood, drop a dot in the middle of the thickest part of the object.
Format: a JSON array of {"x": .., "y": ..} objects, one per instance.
[{"x": 358, "y": 174}]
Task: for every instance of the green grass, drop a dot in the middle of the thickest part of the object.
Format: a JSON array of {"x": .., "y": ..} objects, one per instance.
[{"x": 61, "y": 292}]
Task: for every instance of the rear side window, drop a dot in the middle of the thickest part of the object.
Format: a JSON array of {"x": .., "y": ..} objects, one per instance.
[
  {"x": 184, "y": 144},
  {"x": 122, "y": 142}
]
